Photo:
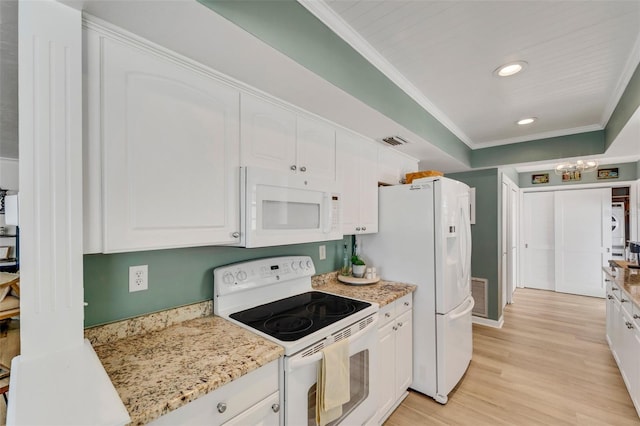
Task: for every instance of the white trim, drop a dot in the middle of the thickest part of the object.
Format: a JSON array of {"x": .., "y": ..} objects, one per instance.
[
  {"x": 339, "y": 26},
  {"x": 580, "y": 186},
  {"x": 488, "y": 322},
  {"x": 625, "y": 77}
]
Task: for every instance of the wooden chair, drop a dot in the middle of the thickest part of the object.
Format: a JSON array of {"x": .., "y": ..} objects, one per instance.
[{"x": 10, "y": 305}]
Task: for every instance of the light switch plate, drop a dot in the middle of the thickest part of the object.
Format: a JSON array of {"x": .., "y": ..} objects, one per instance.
[{"x": 322, "y": 252}]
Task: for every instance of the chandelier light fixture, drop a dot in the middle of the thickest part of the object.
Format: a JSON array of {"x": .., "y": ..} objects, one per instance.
[{"x": 580, "y": 166}]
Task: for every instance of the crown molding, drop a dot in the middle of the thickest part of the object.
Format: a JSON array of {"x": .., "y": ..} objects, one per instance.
[
  {"x": 538, "y": 136},
  {"x": 629, "y": 68},
  {"x": 335, "y": 23}
]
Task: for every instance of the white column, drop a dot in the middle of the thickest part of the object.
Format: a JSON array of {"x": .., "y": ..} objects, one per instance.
[{"x": 50, "y": 130}]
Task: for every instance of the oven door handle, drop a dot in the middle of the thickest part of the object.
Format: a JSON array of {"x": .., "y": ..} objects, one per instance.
[{"x": 301, "y": 362}]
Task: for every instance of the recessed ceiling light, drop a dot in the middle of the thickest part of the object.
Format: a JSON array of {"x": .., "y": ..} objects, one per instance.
[
  {"x": 510, "y": 69},
  {"x": 526, "y": 121}
]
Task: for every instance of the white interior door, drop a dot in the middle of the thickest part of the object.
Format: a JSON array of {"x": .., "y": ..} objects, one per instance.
[
  {"x": 582, "y": 240},
  {"x": 538, "y": 241}
]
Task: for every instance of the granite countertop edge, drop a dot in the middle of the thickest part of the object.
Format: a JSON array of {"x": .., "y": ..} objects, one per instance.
[{"x": 162, "y": 370}]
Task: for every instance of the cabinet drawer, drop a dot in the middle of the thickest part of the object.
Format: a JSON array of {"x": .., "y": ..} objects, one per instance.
[
  {"x": 387, "y": 314},
  {"x": 404, "y": 304},
  {"x": 232, "y": 399}
]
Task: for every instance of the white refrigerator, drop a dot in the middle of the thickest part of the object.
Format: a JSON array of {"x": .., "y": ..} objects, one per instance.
[{"x": 424, "y": 238}]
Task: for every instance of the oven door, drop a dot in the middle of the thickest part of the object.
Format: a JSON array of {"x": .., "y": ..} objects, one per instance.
[{"x": 301, "y": 372}]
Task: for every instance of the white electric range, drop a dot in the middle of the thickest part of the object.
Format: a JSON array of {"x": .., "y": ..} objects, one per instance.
[{"x": 273, "y": 297}]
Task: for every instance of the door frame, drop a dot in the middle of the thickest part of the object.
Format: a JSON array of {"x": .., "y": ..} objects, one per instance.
[
  {"x": 634, "y": 196},
  {"x": 509, "y": 262}
]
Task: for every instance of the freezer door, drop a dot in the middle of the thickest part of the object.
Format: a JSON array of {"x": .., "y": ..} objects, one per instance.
[
  {"x": 454, "y": 343},
  {"x": 453, "y": 245}
]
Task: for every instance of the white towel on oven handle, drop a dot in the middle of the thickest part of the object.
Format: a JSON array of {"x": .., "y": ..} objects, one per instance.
[{"x": 333, "y": 386}]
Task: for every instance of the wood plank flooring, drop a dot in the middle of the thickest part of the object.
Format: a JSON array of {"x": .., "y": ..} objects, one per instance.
[{"x": 549, "y": 365}]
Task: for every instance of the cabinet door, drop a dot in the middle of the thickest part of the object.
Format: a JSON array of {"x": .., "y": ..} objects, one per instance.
[
  {"x": 349, "y": 175},
  {"x": 386, "y": 368},
  {"x": 404, "y": 352},
  {"x": 268, "y": 134},
  {"x": 610, "y": 318},
  {"x": 170, "y": 153},
  {"x": 316, "y": 148},
  {"x": 635, "y": 390},
  {"x": 357, "y": 171},
  {"x": 264, "y": 413},
  {"x": 368, "y": 188},
  {"x": 393, "y": 166}
]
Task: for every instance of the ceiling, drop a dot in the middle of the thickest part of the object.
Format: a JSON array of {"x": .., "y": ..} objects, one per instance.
[{"x": 580, "y": 56}]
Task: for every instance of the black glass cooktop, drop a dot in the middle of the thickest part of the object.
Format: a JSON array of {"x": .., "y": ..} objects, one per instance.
[{"x": 295, "y": 317}]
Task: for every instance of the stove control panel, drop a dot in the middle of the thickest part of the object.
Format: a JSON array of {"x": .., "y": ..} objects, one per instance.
[{"x": 261, "y": 272}]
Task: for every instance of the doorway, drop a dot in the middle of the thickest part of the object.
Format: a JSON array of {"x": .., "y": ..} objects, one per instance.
[{"x": 567, "y": 239}]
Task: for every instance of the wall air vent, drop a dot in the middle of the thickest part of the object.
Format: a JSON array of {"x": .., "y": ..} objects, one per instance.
[
  {"x": 394, "y": 140},
  {"x": 479, "y": 287}
]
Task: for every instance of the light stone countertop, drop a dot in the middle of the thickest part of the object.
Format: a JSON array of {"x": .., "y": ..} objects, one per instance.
[
  {"x": 162, "y": 361},
  {"x": 628, "y": 280},
  {"x": 383, "y": 292},
  {"x": 160, "y": 371}
]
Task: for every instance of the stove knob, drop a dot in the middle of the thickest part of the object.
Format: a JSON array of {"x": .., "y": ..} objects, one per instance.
[
  {"x": 302, "y": 264},
  {"x": 241, "y": 276},
  {"x": 227, "y": 278},
  {"x": 294, "y": 265},
  {"x": 309, "y": 264}
]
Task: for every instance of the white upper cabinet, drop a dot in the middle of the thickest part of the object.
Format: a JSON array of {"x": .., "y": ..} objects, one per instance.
[
  {"x": 169, "y": 145},
  {"x": 357, "y": 171},
  {"x": 268, "y": 134},
  {"x": 393, "y": 166},
  {"x": 274, "y": 137},
  {"x": 316, "y": 148}
]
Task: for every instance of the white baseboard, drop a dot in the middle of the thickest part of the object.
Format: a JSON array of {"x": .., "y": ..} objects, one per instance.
[{"x": 488, "y": 322}]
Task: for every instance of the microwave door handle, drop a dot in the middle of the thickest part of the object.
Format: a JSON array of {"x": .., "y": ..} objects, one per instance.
[
  {"x": 301, "y": 362},
  {"x": 326, "y": 201}
]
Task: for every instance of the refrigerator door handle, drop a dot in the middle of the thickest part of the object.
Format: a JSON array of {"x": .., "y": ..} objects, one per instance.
[
  {"x": 466, "y": 243},
  {"x": 465, "y": 311}
]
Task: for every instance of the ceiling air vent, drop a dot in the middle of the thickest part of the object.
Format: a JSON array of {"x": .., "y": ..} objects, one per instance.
[{"x": 394, "y": 141}]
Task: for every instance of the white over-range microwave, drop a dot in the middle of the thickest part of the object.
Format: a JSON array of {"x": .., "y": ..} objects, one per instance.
[{"x": 280, "y": 208}]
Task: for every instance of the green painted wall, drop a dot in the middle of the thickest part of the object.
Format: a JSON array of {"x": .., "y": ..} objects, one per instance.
[
  {"x": 176, "y": 277},
  {"x": 626, "y": 171},
  {"x": 628, "y": 104},
  {"x": 484, "y": 252},
  {"x": 577, "y": 145},
  {"x": 290, "y": 28}
]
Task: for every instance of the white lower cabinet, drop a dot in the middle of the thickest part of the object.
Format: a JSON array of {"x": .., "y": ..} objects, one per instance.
[
  {"x": 623, "y": 335},
  {"x": 395, "y": 346},
  {"x": 253, "y": 399}
]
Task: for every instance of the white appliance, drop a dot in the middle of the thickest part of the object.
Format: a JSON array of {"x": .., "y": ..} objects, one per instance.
[
  {"x": 273, "y": 297},
  {"x": 617, "y": 230},
  {"x": 279, "y": 208},
  {"x": 424, "y": 238}
]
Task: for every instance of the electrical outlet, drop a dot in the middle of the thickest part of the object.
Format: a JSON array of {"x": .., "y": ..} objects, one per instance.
[
  {"x": 322, "y": 252},
  {"x": 138, "y": 278}
]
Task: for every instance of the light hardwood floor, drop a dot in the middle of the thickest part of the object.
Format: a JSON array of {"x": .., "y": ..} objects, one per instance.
[{"x": 549, "y": 365}]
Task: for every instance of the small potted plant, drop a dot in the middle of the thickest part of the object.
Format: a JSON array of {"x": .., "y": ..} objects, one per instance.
[{"x": 358, "y": 266}]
